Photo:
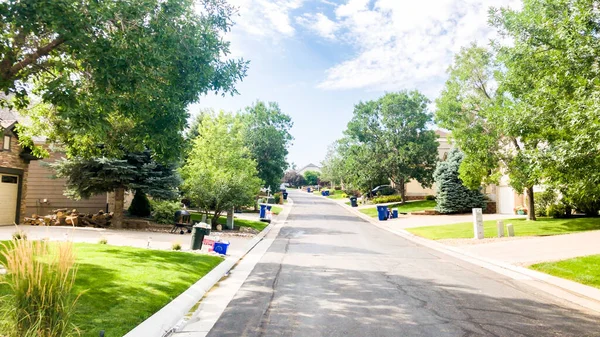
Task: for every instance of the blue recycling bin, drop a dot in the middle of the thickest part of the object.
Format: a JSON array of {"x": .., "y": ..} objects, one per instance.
[
  {"x": 221, "y": 247},
  {"x": 308, "y": 190},
  {"x": 263, "y": 211},
  {"x": 326, "y": 193},
  {"x": 382, "y": 213},
  {"x": 395, "y": 214}
]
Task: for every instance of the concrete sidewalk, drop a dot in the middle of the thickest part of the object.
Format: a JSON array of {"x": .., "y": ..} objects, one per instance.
[{"x": 530, "y": 250}]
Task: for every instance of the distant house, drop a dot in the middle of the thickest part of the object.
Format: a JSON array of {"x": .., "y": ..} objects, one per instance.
[
  {"x": 309, "y": 167},
  {"x": 14, "y": 168}
]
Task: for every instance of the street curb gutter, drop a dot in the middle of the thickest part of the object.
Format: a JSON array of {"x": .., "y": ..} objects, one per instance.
[
  {"x": 163, "y": 321},
  {"x": 574, "y": 292}
]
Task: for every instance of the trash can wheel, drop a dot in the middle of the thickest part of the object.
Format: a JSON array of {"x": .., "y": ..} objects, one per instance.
[
  {"x": 181, "y": 232},
  {"x": 189, "y": 230}
]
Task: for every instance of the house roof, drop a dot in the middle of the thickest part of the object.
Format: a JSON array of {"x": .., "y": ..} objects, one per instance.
[
  {"x": 7, "y": 118},
  {"x": 442, "y": 134},
  {"x": 309, "y": 165}
]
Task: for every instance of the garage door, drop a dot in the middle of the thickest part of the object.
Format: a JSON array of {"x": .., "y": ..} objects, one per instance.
[
  {"x": 9, "y": 189},
  {"x": 506, "y": 200}
]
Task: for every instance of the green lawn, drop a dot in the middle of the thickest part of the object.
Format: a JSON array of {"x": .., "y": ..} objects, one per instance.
[
  {"x": 582, "y": 269},
  {"x": 541, "y": 227},
  {"x": 123, "y": 286},
  {"x": 276, "y": 210},
  {"x": 410, "y": 206},
  {"x": 337, "y": 195},
  {"x": 258, "y": 225}
]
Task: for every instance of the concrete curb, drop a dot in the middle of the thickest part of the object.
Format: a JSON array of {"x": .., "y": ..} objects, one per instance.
[
  {"x": 166, "y": 319},
  {"x": 574, "y": 292}
]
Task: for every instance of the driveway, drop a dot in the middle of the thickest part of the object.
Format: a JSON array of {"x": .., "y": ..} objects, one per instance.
[
  {"x": 330, "y": 273},
  {"x": 139, "y": 239}
]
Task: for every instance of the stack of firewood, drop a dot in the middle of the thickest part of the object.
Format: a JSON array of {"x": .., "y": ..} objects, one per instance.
[{"x": 64, "y": 217}]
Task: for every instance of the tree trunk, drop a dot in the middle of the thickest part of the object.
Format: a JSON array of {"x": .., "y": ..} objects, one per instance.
[
  {"x": 215, "y": 219},
  {"x": 403, "y": 191},
  {"x": 531, "y": 204},
  {"x": 117, "y": 220}
]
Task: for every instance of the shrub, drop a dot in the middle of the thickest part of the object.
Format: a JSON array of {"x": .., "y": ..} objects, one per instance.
[
  {"x": 387, "y": 198},
  {"x": 338, "y": 188},
  {"x": 557, "y": 210},
  {"x": 163, "y": 212},
  {"x": 430, "y": 197},
  {"x": 140, "y": 205},
  {"x": 103, "y": 241},
  {"x": 543, "y": 200},
  {"x": 40, "y": 279},
  {"x": 277, "y": 197},
  {"x": 176, "y": 246},
  {"x": 452, "y": 195},
  {"x": 19, "y": 235}
]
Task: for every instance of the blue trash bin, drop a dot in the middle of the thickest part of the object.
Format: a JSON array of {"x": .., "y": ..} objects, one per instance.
[
  {"x": 395, "y": 214},
  {"x": 263, "y": 211},
  {"x": 326, "y": 193},
  {"x": 221, "y": 247},
  {"x": 382, "y": 213},
  {"x": 308, "y": 189}
]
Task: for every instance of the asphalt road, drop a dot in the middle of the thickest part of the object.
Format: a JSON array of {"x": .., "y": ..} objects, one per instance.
[{"x": 330, "y": 273}]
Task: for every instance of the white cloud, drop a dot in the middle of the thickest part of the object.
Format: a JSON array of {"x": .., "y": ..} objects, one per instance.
[
  {"x": 266, "y": 18},
  {"x": 405, "y": 44},
  {"x": 319, "y": 23}
]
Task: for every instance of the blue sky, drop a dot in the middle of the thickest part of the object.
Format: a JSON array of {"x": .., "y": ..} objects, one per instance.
[{"x": 318, "y": 58}]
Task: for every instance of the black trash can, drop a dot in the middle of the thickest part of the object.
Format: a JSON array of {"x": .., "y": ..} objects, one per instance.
[
  {"x": 199, "y": 231},
  {"x": 353, "y": 202},
  {"x": 285, "y": 195}
]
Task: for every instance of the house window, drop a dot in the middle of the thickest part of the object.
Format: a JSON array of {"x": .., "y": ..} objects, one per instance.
[
  {"x": 10, "y": 179},
  {"x": 6, "y": 144}
]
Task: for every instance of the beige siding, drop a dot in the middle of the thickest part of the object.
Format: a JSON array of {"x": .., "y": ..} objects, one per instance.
[
  {"x": 11, "y": 160},
  {"x": 41, "y": 186}
]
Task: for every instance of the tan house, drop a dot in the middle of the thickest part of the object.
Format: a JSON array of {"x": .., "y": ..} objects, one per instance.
[
  {"x": 46, "y": 193},
  {"x": 309, "y": 167},
  {"x": 414, "y": 190}
]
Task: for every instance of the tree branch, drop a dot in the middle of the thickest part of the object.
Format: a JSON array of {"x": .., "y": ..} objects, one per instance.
[{"x": 31, "y": 58}]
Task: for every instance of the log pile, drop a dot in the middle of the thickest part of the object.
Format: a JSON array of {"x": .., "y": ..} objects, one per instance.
[{"x": 64, "y": 217}]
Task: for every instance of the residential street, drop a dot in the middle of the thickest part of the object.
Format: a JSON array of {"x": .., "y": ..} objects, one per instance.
[{"x": 329, "y": 273}]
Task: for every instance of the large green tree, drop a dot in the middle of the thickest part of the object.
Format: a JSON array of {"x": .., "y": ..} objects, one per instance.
[
  {"x": 219, "y": 174},
  {"x": 552, "y": 67},
  {"x": 268, "y": 138},
  {"x": 497, "y": 132},
  {"x": 137, "y": 172},
  {"x": 115, "y": 73},
  {"x": 396, "y": 131}
]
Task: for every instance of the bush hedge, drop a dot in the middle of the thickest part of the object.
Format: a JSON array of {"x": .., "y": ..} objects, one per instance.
[
  {"x": 387, "y": 198},
  {"x": 163, "y": 212}
]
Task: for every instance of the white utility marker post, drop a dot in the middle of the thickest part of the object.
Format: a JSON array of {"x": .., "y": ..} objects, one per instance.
[
  {"x": 510, "y": 229},
  {"x": 500, "y": 225},
  {"x": 478, "y": 223}
]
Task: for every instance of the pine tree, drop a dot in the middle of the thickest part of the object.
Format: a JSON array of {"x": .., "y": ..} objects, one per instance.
[
  {"x": 452, "y": 195},
  {"x": 137, "y": 171}
]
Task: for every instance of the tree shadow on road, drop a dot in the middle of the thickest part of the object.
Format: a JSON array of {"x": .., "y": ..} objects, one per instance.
[{"x": 321, "y": 300}]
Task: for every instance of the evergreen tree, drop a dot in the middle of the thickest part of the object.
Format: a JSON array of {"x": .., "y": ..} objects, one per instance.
[
  {"x": 137, "y": 171},
  {"x": 452, "y": 195},
  {"x": 140, "y": 205}
]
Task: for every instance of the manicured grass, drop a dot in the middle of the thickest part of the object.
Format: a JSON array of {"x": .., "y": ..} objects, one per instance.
[
  {"x": 581, "y": 269},
  {"x": 122, "y": 286},
  {"x": 410, "y": 206},
  {"x": 258, "y": 225},
  {"x": 337, "y": 195},
  {"x": 276, "y": 210},
  {"x": 541, "y": 227}
]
